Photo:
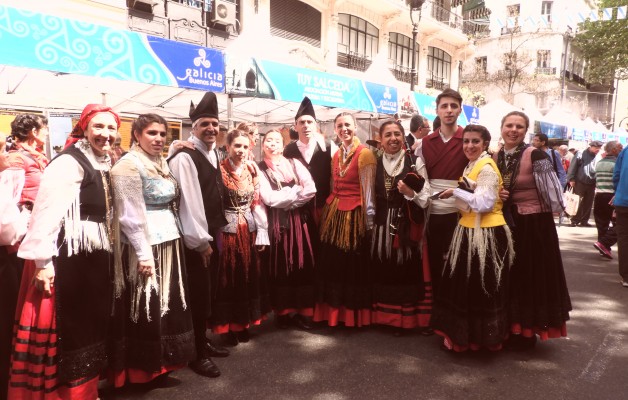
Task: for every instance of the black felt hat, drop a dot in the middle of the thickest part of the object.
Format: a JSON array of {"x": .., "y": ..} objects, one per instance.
[
  {"x": 306, "y": 108},
  {"x": 206, "y": 108}
]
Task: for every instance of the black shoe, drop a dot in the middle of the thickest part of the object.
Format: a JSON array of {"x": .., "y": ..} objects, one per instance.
[
  {"x": 213, "y": 350},
  {"x": 282, "y": 321},
  {"x": 302, "y": 322},
  {"x": 205, "y": 367},
  {"x": 427, "y": 331},
  {"x": 243, "y": 336},
  {"x": 230, "y": 339},
  {"x": 573, "y": 224}
]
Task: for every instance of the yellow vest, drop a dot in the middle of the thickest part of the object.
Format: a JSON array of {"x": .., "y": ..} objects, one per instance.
[{"x": 491, "y": 218}]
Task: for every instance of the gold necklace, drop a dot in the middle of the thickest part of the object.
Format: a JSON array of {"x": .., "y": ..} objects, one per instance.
[{"x": 388, "y": 179}]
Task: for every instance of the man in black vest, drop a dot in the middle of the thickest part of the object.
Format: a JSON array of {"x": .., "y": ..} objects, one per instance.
[
  {"x": 314, "y": 151},
  {"x": 201, "y": 210}
]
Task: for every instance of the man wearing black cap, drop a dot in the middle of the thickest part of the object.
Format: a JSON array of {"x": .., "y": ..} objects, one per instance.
[
  {"x": 201, "y": 211},
  {"x": 314, "y": 151},
  {"x": 581, "y": 177}
]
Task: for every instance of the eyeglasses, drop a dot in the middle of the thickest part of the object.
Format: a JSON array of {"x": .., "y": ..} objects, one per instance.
[{"x": 205, "y": 124}]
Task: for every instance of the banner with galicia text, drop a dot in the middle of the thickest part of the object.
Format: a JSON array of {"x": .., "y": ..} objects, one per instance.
[
  {"x": 289, "y": 83},
  {"x": 46, "y": 42}
]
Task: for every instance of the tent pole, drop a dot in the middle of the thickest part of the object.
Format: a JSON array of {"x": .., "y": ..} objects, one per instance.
[{"x": 229, "y": 110}]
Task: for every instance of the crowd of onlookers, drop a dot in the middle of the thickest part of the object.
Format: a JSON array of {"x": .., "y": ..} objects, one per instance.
[{"x": 115, "y": 264}]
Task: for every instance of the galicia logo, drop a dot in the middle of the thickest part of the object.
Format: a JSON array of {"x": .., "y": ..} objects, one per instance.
[
  {"x": 202, "y": 75},
  {"x": 191, "y": 66},
  {"x": 202, "y": 59}
]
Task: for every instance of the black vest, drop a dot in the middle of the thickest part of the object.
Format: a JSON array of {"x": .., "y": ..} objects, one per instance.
[
  {"x": 92, "y": 196},
  {"x": 394, "y": 200},
  {"x": 319, "y": 167},
  {"x": 212, "y": 187}
]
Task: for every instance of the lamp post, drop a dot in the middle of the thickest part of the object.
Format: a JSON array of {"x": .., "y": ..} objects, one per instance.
[
  {"x": 568, "y": 35},
  {"x": 414, "y": 5}
]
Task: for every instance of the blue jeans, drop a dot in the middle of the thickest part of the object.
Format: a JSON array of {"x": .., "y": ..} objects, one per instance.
[{"x": 622, "y": 240}]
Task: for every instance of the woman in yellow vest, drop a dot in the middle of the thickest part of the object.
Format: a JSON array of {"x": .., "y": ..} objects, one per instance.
[{"x": 470, "y": 309}]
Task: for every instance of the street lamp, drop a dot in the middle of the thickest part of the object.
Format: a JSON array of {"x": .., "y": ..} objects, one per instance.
[
  {"x": 568, "y": 35},
  {"x": 414, "y": 5}
]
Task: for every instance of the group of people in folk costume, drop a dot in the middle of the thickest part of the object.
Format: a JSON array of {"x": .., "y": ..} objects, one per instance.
[{"x": 128, "y": 265}]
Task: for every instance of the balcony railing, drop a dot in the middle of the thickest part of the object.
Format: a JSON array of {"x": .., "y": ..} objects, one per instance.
[
  {"x": 435, "y": 81},
  {"x": 575, "y": 78},
  {"x": 446, "y": 16},
  {"x": 403, "y": 74},
  {"x": 354, "y": 61},
  {"x": 545, "y": 71}
]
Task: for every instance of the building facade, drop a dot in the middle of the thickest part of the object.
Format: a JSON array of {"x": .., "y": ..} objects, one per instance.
[{"x": 526, "y": 57}]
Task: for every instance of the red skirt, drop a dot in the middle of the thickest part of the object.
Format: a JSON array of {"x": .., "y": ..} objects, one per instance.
[
  {"x": 408, "y": 316},
  {"x": 33, "y": 374}
]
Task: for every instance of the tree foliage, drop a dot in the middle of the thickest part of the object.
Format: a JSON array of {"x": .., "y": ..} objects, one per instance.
[{"x": 604, "y": 44}]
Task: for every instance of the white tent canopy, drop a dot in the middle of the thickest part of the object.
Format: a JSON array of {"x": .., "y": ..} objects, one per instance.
[
  {"x": 491, "y": 115},
  {"x": 39, "y": 89}
]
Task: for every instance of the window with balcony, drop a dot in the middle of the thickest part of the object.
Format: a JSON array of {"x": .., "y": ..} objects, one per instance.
[
  {"x": 438, "y": 68},
  {"x": 514, "y": 10},
  {"x": 481, "y": 64},
  {"x": 358, "y": 42},
  {"x": 400, "y": 56},
  {"x": 543, "y": 62},
  {"x": 546, "y": 9},
  {"x": 295, "y": 20}
]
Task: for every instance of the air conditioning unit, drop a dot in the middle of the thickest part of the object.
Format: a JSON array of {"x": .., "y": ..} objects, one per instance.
[{"x": 223, "y": 12}]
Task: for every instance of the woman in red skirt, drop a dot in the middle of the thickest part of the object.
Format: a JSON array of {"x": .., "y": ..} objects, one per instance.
[{"x": 66, "y": 293}]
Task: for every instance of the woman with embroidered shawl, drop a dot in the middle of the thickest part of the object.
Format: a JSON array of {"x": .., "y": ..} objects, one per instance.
[
  {"x": 470, "y": 309},
  {"x": 241, "y": 293},
  {"x": 539, "y": 299},
  {"x": 402, "y": 292},
  {"x": 65, "y": 298},
  {"x": 344, "y": 283},
  {"x": 286, "y": 186},
  {"x": 152, "y": 329}
]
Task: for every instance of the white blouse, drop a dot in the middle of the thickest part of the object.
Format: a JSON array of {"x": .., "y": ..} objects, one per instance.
[
  {"x": 58, "y": 190},
  {"x": 485, "y": 193},
  {"x": 289, "y": 197}
]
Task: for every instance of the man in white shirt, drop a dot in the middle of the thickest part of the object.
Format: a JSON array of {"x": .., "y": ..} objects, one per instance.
[
  {"x": 314, "y": 151},
  {"x": 201, "y": 211}
]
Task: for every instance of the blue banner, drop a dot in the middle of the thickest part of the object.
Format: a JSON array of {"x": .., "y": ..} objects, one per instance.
[
  {"x": 553, "y": 131},
  {"x": 33, "y": 40},
  {"x": 472, "y": 114},
  {"x": 426, "y": 106},
  {"x": 291, "y": 83}
]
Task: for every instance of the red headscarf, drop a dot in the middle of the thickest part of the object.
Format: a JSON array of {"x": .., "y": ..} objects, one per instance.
[{"x": 88, "y": 113}]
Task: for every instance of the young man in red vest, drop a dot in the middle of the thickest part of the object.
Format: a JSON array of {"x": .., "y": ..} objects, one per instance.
[{"x": 445, "y": 162}]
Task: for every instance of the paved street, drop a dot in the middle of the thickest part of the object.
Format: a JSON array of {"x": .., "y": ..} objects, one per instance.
[{"x": 592, "y": 363}]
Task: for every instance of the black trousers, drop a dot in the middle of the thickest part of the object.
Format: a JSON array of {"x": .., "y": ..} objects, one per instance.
[
  {"x": 586, "y": 193},
  {"x": 199, "y": 286},
  {"x": 603, "y": 213},
  {"x": 440, "y": 230}
]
